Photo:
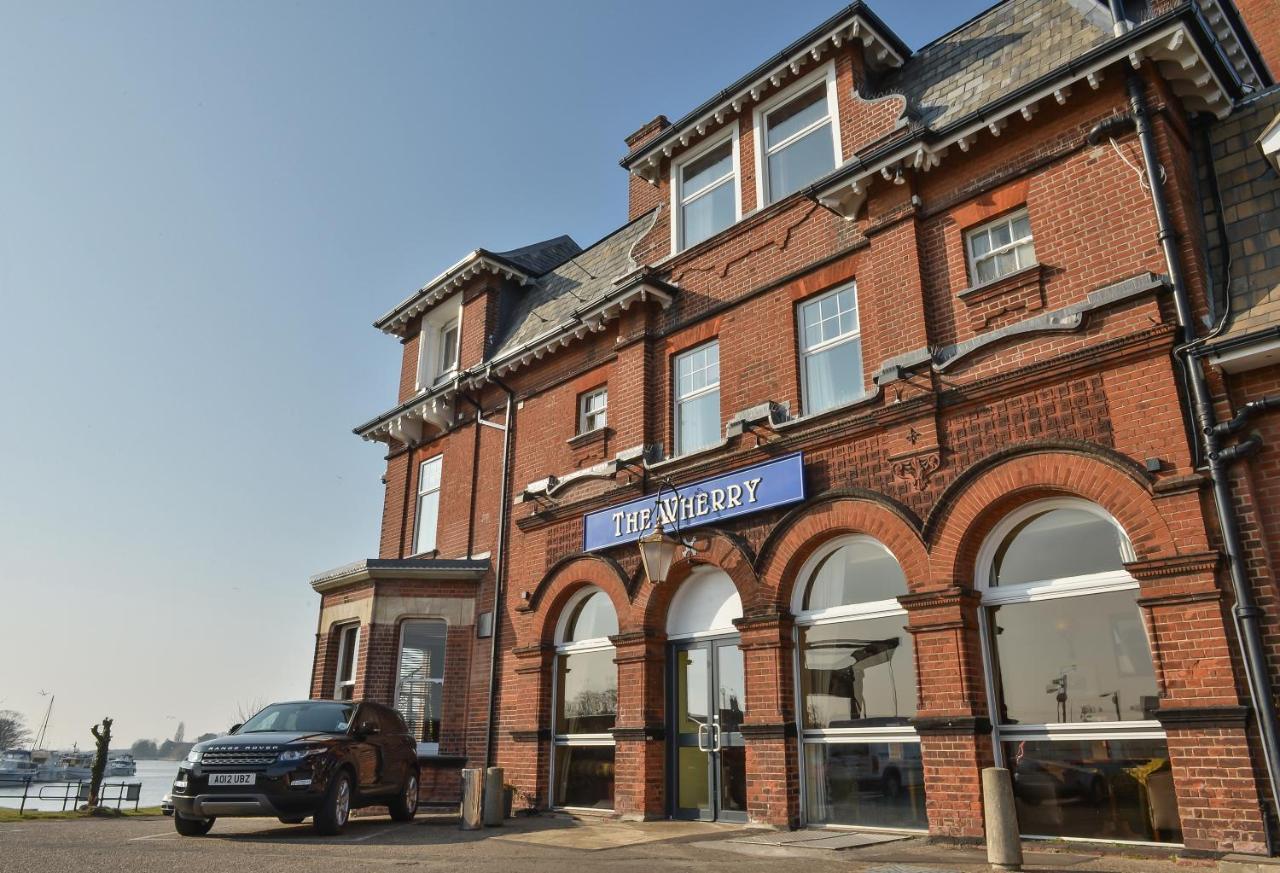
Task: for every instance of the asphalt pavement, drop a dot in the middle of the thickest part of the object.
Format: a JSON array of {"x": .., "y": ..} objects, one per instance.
[{"x": 542, "y": 844}]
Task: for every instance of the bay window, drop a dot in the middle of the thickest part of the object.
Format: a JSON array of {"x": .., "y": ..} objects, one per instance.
[
  {"x": 585, "y": 703},
  {"x": 420, "y": 680},
  {"x": 1070, "y": 674},
  {"x": 857, "y": 686}
]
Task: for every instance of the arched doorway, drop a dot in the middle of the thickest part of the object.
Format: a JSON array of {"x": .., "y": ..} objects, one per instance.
[{"x": 707, "y": 697}]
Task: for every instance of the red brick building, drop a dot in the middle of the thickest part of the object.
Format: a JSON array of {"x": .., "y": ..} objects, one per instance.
[{"x": 893, "y": 342}]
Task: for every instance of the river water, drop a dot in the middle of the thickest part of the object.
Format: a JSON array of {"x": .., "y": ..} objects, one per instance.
[{"x": 156, "y": 778}]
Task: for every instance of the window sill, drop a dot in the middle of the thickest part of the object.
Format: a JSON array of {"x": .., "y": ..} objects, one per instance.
[
  {"x": 589, "y": 437},
  {"x": 861, "y": 400},
  {"x": 988, "y": 304}
]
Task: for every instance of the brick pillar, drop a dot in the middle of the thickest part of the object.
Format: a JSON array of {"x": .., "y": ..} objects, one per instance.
[
  {"x": 1219, "y": 798},
  {"x": 529, "y": 768},
  {"x": 639, "y": 763},
  {"x": 769, "y": 728},
  {"x": 951, "y": 711}
]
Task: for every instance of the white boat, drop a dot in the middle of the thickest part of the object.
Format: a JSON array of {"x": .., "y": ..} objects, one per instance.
[
  {"x": 121, "y": 764},
  {"x": 16, "y": 766}
]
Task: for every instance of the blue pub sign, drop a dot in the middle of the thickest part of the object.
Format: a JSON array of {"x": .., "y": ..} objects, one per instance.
[{"x": 752, "y": 489}]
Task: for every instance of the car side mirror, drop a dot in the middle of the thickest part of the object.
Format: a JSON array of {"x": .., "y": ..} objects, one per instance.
[
  {"x": 235, "y": 727},
  {"x": 368, "y": 727}
]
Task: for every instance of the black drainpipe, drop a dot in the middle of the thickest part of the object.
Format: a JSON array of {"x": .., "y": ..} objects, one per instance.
[
  {"x": 1246, "y": 611},
  {"x": 475, "y": 472},
  {"x": 500, "y": 564}
]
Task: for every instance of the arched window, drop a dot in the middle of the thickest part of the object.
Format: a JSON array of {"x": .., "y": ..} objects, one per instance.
[
  {"x": 585, "y": 702},
  {"x": 1070, "y": 677},
  {"x": 856, "y": 667}
]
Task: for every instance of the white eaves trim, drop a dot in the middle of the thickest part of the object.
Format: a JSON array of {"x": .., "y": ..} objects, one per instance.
[
  {"x": 479, "y": 261},
  {"x": 646, "y": 162},
  {"x": 1232, "y": 49},
  {"x": 1173, "y": 49},
  {"x": 436, "y": 406}
]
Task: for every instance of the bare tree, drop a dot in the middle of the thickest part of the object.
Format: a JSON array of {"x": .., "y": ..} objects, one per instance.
[
  {"x": 180, "y": 734},
  {"x": 247, "y": 709},
  {"x": 103, "y": 739},
  {"x": 13, "y": 730}
]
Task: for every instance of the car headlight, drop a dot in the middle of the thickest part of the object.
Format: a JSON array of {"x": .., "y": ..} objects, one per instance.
[
  {"x": 300, "y": 754},
  {"x": 194, "y": 756}
]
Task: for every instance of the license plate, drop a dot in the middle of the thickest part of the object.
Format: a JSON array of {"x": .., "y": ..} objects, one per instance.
[{"x": 231, "y": 779}]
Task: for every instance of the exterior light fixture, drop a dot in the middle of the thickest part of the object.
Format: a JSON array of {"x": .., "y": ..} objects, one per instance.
[
  {"x": 657, "y": 554},
  {"x": 658, "y": 548}
]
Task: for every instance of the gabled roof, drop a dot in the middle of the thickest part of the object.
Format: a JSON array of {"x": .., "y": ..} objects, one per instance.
[{"x": 520, "y": 265}]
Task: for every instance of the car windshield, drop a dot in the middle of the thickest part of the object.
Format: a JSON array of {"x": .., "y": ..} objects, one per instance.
[{"x": 318, "y": 716}]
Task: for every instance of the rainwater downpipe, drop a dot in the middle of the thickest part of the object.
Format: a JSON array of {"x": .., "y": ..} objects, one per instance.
[
  {"x": 1246, "y": 612},
  {"x": 500, "y": 563}
]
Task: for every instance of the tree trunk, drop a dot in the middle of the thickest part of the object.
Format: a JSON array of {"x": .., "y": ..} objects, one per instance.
[{"x": 103, "y": 738}]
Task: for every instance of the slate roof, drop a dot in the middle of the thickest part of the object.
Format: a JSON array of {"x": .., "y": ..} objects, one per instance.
[
  {"x": 541, "y": 257},
  {"x": 1008, "y": 46},
  {"x": 1249, "y": 256},
  {"x": 578, "y": 281}
]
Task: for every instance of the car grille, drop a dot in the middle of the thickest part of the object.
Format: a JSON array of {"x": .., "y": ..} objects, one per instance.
[{"x": 238, "y": 759}]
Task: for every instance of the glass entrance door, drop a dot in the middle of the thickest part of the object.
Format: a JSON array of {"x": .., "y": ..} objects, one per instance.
[{"x": 708, "y": 766}]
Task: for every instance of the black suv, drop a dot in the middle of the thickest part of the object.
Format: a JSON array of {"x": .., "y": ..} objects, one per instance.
[{"x": 318, "y": 758}]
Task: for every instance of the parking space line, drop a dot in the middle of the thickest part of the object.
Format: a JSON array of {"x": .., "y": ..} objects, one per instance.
[
  {"x": 154, "y": 836},
  {"x": 374, "y": 834}
]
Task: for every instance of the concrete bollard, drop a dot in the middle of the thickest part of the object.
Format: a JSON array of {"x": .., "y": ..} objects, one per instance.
[
  {"x": 1004, "y": 847},
  {"x": 493, "y": 797},
  {"x": 472, "y": 792}
]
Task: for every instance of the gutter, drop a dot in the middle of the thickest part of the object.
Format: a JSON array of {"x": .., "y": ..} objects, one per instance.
[{"x": 989, "y": 113}]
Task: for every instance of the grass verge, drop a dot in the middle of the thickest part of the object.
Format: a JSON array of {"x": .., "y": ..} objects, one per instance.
[{"x": 9, "y": 815}]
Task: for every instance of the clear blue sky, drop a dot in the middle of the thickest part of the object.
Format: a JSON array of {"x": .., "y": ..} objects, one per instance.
[{"x": 202, "y": 208}]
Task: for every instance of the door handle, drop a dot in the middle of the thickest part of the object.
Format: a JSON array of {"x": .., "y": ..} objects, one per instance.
[
  {"x": 707, "y": 729},
  {"x": 715, "y": 738}
]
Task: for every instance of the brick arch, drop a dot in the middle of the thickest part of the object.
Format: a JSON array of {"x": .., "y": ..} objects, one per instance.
[
  {"x": 805, "y": 530},
  {"x": 968, "y": 510},
  {"x": 725, "y": 551},
  {"x": 564, "y": 579}
]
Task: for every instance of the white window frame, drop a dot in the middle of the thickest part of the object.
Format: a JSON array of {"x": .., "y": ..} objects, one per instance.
[
  {"x": 424, "y": 748},
  {"x": 585, "y": 411},
  {"x": 986, "y": 227},
  {"x": 1049, "y": 589},
  {"x": 680, "y": 400},
  {"x": 338, "y": 682},
  {"x": 837, "y": 615},
  {"x": 828, "y": 72},
  {"x": 432, "y": 370},
  {"x": 558, "y": 739},
  {"x": 417, "y": 513},
  {"x": 806, "y": 353},
  {"x": 678, "y": 198}
]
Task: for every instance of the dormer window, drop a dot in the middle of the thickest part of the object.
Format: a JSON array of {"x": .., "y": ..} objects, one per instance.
[
  {"x": 798, "y": 138},
  {"x": 438, "y": 344},
  {"x": 704, "y": 187},
  {"x": 447, "y": 364}
]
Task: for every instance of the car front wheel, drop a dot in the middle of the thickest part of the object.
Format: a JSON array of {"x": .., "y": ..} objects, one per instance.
[
  {"x": 404, "y": 806},
  {"x": 332, "y": 816},
  {"x": 191, "y": 827}
]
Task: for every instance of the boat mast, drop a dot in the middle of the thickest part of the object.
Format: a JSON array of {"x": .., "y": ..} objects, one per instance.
[{"x": 39, "y": 741}]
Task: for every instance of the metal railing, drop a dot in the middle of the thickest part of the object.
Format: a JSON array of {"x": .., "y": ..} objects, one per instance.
[{"x": 75, "y": 792}]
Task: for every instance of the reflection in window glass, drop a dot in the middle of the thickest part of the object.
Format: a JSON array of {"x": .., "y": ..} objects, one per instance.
[
  {"x": 1095, "y": 788},
  {"x": 868, "y": 784},
  {"x": 857, "y": 673},
  {"x": 587, "y": 693},
  {"x": 798, "y": 142},
  {"x": 420, "y": 678},
  {"x": 584, "y": 776},
  {"x": 1057, "y": 544},
  {"x": 697, "y": 398},
  {"x": 707, "y": 198},
  {"x": 1073, "y": 659},
  {"x": 592, "y": 619},
  {"x": 857, "y": 572}
]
